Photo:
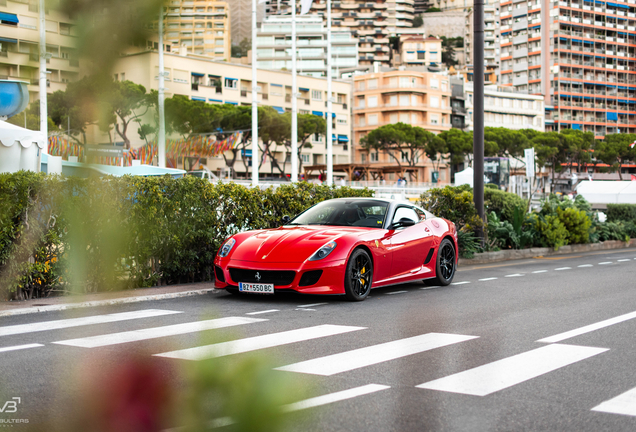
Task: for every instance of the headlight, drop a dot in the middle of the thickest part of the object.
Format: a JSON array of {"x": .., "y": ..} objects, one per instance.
[
  {"x": 226, "y": 248},
  {"x": 323, "y": 251}
]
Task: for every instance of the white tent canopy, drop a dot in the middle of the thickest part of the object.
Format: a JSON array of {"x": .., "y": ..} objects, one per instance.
[
  {"x": 19, "y": 148},
  {"x": 464, "y": 177},
  {"x": 608, "y": 192}
]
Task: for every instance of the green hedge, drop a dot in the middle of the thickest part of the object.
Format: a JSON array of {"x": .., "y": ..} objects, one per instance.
[
  {"x": 621, "y": 212},
  {"x": 503, "y": 203},
  {"x": 85, "y": 235}
]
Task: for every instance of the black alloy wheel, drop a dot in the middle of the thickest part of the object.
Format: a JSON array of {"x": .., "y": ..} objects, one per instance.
[
  {"x": 445, "y": 266},
  {"x": 358, "y": 276}
]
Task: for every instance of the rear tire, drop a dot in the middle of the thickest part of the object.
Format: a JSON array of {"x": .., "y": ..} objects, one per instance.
[
  {"x": 445, "y": 266},
  {"x": 358, "y": 276}
]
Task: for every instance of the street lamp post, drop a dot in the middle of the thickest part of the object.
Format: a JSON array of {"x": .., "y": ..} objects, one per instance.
[
  {"x": 329, "y": 101},
  {"x": 161, "y": 139},
  {"x": 254, "y": 101},
  {"x": 478, "y": 110}
]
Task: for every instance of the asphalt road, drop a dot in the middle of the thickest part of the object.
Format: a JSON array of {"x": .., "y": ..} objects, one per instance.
[{"x": 543, "y": 344}]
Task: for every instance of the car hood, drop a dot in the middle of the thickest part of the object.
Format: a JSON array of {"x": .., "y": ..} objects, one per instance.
[{"x": 288, "y": 244}]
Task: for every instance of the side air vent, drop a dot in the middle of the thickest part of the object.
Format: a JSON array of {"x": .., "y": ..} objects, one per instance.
[{"x": 429, "y": 256}]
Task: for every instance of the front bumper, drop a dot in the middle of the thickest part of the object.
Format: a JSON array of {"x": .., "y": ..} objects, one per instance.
[{"x": 331, "y": 280}]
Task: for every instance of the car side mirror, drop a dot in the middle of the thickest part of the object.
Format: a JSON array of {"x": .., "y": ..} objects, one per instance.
[
  {"x": 404, "y": 222},
  {"x": 286, "y": 219}
]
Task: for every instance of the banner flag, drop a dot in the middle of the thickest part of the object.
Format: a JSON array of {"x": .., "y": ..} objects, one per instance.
[{"x": 305, "y": 5}]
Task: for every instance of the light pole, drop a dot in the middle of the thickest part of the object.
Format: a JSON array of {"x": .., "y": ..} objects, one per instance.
[
  {"x": 161, "y": 139},
  {"x": 254, "y": 101},
  {"x": 43, "y": 105},
  {"x": 478, "y": 110},
  {"x": 329, "y": 101},
  {"x": 294, "y": 119}
]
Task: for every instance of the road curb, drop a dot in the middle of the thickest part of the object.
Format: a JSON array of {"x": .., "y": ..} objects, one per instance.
[
  {"x": 513, "y": 254},
  {"x": 107, "y": 302}
]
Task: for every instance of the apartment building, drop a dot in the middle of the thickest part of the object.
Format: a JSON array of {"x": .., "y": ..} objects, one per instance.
[
  {"x": 417, "y": 98},
  {"x": 418, "y": 51},
  {"x": 200, "y": 78},
  {"x": 371, "y": 22},
  {"x": 273, "y": 46},
  {"x": 503, "y": 107},
  {"x": 199, "y": 26},
  {"x": 491, "y": 36},
  {"x": 579, "y": 55},
  {"x": 20, "y": 42},
  {"x": 241, "y": 19}
]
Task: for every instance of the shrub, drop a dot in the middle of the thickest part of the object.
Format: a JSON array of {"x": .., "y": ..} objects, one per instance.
[
  {"x": 454, "y": 203},
  {"x": 577, "y": 224},
  {"x": 468, "y": 244},
  {"x": 553, "y": 232},
  {"x": 614, "y": 231},
  {"x": 71, "y": 234},
  {"x": 502, "y": 203},
  {"x": 621, "y": 212}
]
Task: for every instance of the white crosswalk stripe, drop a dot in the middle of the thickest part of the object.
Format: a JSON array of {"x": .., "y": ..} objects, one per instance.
[
  {"x": 501, "y": 374},
  {"x": 624, "y": 404},
  {"x": 157, "y": 332},
  {"x": 588, "y": 328},
  {"x": 20, "y": 347},
  {"x": 259, "y": 342},
  {"x": 335, "y": 397},
  {"x": 350, "y": 360},
  {"x": 76, "y": 322}
]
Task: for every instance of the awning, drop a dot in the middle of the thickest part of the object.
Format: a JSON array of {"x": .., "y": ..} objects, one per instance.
[
  {"x": 317, "y": 113},
  {"x": 231, "y": 79},
  {"x": 201, "y": 99},
  {"x": 214, "y": 76},
  {"x": 231, "y": 103},
  {"x": 303, "y": 89},
  {"x": 333, "y": 115},
  {"x": 8, "y": 40},
  {"x": 343, "y": 138},
  {"x": 279, "y": 109},
  {"x": 8, "y": 17},
  {"x": 197, "y": 74},
  {"x": 216, "y": 100},
  {"x": 612, "y": 116},
  {"x": 424, "y": 52},
  {"x": 247, "y": 153},
  {"x": 576, "y": 126},
  {"x": 410, "y": 52},
  {"x": 276, "y": 85},
  {"x": 333, "y": 137}
]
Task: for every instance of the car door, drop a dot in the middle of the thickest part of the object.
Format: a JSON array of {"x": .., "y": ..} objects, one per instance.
[{"x": 409, "y": 245}]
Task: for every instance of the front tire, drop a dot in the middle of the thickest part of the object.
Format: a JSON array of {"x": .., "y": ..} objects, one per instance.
[
  {"x": 445, "y": 266},
  {"x": 358, "y": 276}
]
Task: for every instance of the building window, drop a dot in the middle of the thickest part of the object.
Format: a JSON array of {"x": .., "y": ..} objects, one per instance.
[
  {"x": 231, "y": 83},
  {"x": 404, "y": 100},
  {"x": 434, "y": 83},
  {"x": 434, "y": 102},
  {"x": 316, "y": 94},
  {"x": 305, "y": 158},
  {"x": 373, "y": 83},
  {"x": 372, "y": 101},
  {"x": 373, "y": 119},
  {"x": 373, "y": 156}
]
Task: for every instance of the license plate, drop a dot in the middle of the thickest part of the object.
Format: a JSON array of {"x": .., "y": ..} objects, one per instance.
[{"x": 256, "y": 288}]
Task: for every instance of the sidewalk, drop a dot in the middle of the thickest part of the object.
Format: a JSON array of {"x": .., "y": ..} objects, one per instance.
[{"x": 104, "y": 299}]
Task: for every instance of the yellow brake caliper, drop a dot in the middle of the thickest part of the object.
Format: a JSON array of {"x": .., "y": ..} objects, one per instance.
[{"x": 362, "y": 272}]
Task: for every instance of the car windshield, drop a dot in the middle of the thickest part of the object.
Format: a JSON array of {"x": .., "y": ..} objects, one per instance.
[{"x": 359, "y": 213}]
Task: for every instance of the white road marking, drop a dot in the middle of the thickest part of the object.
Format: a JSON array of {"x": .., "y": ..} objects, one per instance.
[
  {"x": 258, "y": 342},
  {"x": 157, "y": 332},
  {"x": 334, "y": 397},
  {"x": 487, "y": 279},
  {"x": 585, "y": 265},
  {"x": 588, "y": 328},
  {"x": 501, "y": 374},
  {"x": 624, "y": 403},
  {"x": 563, "y": 268},
  {"x": 514, "y": 275},
  {"x": 540, "y": 271},
  {"x": 76, "y": 322},
  {"x": 305, "y": 309},
  {"x": 605, "y": 263},
  {"x": 396, "y": 292},
  {"x": 262, "y": 312},
  {"x": 350, "y": 360},
  {"x": 623, "y": 260},
  {"x": 460, "y": 283},
  {"x": 20, "y": 347},
  {"x": 312, "y": 305}
]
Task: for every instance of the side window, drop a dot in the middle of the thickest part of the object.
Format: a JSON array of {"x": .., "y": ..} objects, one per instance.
[
  {"x": 420, "y": 214},
  {"x": 405, "y": 212}
]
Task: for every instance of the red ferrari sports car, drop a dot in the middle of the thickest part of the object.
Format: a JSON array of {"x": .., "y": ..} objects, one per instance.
[{"x": 341, "y": 246}]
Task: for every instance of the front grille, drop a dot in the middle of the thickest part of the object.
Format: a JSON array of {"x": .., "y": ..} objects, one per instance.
[
  {"x": 218, "y": 271},
  {"x": 310, "y": 278},
  {"x": 276, "y": 277}
]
